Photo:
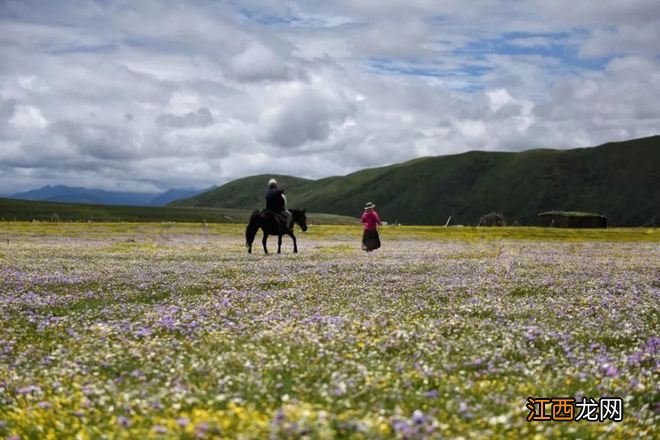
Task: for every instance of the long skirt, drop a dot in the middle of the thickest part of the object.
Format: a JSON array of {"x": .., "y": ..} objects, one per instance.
[{"x": 370, "y": 240}]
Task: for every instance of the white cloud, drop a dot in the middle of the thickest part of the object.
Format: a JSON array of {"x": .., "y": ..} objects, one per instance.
[
  {"x": 163, "y": 93},
  {"x": 302, "y": 116},
  {"x": 638, "y": 39},
  {"x": 376, "y": 39},
  {"x": 259, "y": 63},
  {"x": 28, "y": 117},
  {"x": 498, "y": 99}
]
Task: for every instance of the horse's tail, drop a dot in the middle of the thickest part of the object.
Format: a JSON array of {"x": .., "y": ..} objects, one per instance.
[{"x": 252, "y": 228}]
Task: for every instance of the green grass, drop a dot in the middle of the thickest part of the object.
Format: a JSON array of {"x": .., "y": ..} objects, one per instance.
[
  {"x": 492, "y": 234},
  {"x": 134, "y": 235}
]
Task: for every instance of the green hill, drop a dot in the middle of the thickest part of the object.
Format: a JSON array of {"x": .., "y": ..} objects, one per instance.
[
  {"x": 243, "y": 193},
  {"x": 12, "y": 209},
  {"x": 620, "y": 180}
]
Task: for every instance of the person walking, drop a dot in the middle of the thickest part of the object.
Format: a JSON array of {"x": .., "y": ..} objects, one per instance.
[{"x": 371, "y": 221}]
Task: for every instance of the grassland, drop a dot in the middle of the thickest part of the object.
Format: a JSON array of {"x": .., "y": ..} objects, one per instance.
[
  {"x": 27, "y": 210},
  {"x": 171, "y": 330}
]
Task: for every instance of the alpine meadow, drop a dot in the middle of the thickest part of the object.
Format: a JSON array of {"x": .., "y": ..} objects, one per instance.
[
  {"x": 320, "y": 220},
  {"x": 173, "y": 331}
]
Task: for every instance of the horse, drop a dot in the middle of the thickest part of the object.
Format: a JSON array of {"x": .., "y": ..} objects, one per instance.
[{"x": 272, "y": 223}]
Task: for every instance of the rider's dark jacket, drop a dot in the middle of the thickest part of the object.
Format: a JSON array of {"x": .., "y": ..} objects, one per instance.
[{"x": 274, "y": 199}]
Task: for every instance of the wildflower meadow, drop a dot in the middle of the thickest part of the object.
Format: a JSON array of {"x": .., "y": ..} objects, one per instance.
[{"x": 174, "y": 331}]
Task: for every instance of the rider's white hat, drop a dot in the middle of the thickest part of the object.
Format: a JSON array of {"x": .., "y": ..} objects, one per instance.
[{"x": 272, "y": 182}]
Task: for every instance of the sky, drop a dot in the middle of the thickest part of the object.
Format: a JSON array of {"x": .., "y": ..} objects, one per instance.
[{"x": 149, "y": 95}]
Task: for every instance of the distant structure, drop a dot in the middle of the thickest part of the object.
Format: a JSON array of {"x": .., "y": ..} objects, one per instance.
[
  {"x": 492, "y": 219},
  {"x": 572, "y": 219}
]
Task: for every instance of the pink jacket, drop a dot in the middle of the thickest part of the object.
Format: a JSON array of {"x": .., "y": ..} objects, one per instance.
[{"x": 370, "y": 220}]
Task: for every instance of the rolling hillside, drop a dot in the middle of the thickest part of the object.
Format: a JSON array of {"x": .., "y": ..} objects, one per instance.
[
  {"x": 11, "y": 209},
  {"x": 620, "y": 180},
  {"x": 243, "y": 193}
]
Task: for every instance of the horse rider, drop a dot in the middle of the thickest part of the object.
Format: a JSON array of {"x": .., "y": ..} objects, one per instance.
[{"x": 276, "y": 201}]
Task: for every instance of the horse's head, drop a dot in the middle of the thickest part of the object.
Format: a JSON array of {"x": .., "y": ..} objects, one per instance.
[{"x": 299, "y": 217}]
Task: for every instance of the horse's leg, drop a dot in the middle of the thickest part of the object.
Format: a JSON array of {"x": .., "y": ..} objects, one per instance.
[
  {"x": 295, "y": 244},
  {"x": 249, "y": 235},
  {"x": 279, "y": 244},
  {"x": 263, "y": 241}
]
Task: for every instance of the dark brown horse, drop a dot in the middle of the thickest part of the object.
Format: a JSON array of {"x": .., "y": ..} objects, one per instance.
[{"x": 272, "y": 223}]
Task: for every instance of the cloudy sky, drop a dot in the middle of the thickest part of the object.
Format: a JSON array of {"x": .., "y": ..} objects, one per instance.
[{"x": 147, "y": 95}]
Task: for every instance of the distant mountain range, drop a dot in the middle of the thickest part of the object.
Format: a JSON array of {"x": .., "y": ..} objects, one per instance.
[
  {"x": 620, "y": 180},
  {"x": 70, "y": 194}
]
